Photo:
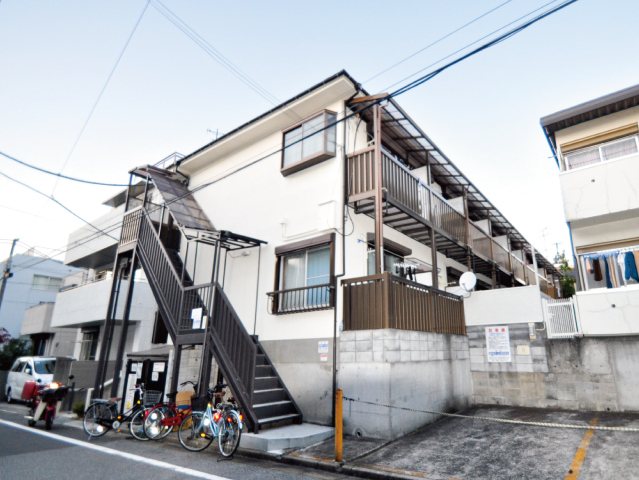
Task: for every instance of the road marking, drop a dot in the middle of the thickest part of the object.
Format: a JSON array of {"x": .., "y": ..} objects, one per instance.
[
  {"x": 110, "y": 451},
  {"x": 580, "y": 456}
]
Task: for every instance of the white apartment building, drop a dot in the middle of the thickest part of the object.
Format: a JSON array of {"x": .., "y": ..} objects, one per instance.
[
  {"x": 596, "y": 146},
  {"x": 309, "y": 248}
]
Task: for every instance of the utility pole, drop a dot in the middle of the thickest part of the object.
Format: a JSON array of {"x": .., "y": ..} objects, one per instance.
[{"x": 6, "y": 274}]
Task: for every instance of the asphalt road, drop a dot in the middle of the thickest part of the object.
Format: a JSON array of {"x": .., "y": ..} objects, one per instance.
[{"x": 34, "y": 453}]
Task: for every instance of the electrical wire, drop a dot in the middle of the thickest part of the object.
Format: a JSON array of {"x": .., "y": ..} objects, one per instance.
[
  {"x": 437, "y": 41},
  {"x": 56, "y": 201},
  {"x": 214, "y": 53},
  {"x": 101, "y": 93},
  {"x": 404, "y": 89},
  {"x": 62, "y": 176}
]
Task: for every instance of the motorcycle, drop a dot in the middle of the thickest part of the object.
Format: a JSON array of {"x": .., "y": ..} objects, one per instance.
[{"x": 44, "y": 401}]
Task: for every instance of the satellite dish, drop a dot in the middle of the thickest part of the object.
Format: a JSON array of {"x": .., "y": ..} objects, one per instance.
[{"x": 467, "y": 281}]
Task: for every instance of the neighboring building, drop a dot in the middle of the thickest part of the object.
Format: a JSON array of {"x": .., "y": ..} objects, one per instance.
[
  {"x": 274, "y": 263},
  {"x": 596, "y": 146},
  {"x": 35, "y": 280},
  {"x": 46, "y": 340}
]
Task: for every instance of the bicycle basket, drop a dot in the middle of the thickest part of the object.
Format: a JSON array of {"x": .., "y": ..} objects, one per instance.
[
  {"x": 198, "y": 404},
  {"x": 152, "y": 397}
]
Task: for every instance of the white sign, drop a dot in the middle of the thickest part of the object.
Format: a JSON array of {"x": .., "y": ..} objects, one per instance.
[
  {"x": 130, "y": 392},
  {"x": 323, "y": 357},
  {"x": 498, "y": 344},
  {"x": 158, "y": 366},
  {"x": 523, "y": 350},
  {"x": 139, "y": 370},
  {"x": 322, "y": 347},
  {"x": 155, "y": 376},
  {"x": 196, "y": 316}
]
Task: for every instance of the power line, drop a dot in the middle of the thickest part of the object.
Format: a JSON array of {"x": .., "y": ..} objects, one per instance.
[
  {"x": 59, "y": 175},
  {"x": 470, "y": 44},
  {"x": 214, "y": 53},
  {"x": 56, "y": 201},
  {"x": 437, "y": 41},
  {"x": 398, "y": 92},
  {"x": 100, "y": 95}
]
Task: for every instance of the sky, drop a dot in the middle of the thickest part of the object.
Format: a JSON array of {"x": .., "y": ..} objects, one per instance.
[{"x": 166, "y": 93}]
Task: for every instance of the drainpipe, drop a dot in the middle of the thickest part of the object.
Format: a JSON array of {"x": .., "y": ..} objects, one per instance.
[{"x": 336, "y": 288}]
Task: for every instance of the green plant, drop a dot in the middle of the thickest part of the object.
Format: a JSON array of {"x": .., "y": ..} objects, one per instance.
[
  {"x": 567, "y": 282},
  {"x": 11, "y": 350},
  {"x": 78, "y": 409}
]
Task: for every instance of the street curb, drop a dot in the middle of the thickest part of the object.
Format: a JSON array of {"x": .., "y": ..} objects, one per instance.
[{"x": 352, "y": 470}]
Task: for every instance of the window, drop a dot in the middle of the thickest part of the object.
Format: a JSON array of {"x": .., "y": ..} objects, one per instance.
[
  {"x": 304, "y": 147},
  {"x": 42, "y": 282},
  {"x": 304, "y": 276},
  {"x": 89, "y": 344},
  {"x": 611, "y": 267},
  {"x": 44, "y": 367},
  {"x": 603, "y": 152},
  {"x": 391, "y": 262},
  {"x": 17, "y": 366},
  {"x": 27, "y": 369}
]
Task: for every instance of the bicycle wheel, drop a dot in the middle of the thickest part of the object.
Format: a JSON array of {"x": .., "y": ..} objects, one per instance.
[
  {"x": 194, "y": 434},
  {"x": 93, "y": 416},
  {"x": 229, "y": 438},
  {"x": 136, "y": 426},
  {"x": 152, "y": 426}
]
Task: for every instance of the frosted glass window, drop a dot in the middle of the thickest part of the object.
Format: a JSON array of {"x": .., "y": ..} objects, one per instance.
[
  {"x": 582, "y": 159},
  {"x": 315, "y": 141},
  {"x": 42, "y": 282},
  {"x": 292, "y": 153},
  {"x": 313, "y": 144},
  {"x": 619, "y": 149}
]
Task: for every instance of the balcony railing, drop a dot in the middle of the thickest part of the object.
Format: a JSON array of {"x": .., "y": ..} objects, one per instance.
[
  {"x": 388, "y": 301},
  {"x": 518, "y": 268},
  {"x": 303, "y": 299}
]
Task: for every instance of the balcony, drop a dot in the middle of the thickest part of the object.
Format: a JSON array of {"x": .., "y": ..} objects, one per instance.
[
  {"x": 87, "y": 304},
  {"x": 387, "y": 301},
  {"x": 609, "y": 311},
  {"x": 412, "y": 207}
]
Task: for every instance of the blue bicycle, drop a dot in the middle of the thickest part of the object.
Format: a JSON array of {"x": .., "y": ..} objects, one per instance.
[{"x": 203, "y": 425}]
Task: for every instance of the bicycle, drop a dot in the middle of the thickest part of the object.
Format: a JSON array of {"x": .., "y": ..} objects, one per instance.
[
  {"x": 199, "y": 428},
  {"x": 102, "y": 415},
  {"x": 164, "y": 417}
]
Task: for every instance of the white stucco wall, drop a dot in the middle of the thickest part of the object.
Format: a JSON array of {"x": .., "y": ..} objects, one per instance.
[
  {"x": 609, "y": 231},
  {"x": 504, "y": 306},
  {"x": 609, "y": 311},
  {"x": 85, "y": 241}
]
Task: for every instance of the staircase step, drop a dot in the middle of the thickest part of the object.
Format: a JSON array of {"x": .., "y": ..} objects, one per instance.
[
  {"x": 263, "y": 371},
  {"x": 274, "y": 409},
  {"x": 261, "y": 360},
  {"x": 269, "y": 395},
  {"x": 266, "y": 383},
  {"x": 292, "y": 416}
]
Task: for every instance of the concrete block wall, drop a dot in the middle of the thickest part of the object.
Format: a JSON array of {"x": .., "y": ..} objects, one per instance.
[
  {"x": 417, "y": 370},
  {"x": 590, "y": 373}
]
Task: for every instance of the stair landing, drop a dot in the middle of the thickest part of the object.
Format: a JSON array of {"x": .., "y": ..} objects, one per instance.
[{"x": 278, "y": 439}]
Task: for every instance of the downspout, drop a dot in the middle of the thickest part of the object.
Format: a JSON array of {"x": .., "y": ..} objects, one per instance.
[
  {"x": 336, "y": 289},
  {"x": 572, "y": 245}
]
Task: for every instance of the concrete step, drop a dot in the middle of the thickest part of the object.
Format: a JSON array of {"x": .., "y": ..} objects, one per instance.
[{"x": 288, "y": 436}]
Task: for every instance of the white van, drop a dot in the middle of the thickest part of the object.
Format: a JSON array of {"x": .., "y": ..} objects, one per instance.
[{"x": 28, "y": 369}]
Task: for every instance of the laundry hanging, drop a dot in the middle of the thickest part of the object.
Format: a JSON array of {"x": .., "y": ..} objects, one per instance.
[
  {"x": 608, "y": 281},
  {"x": 613, "y": 272},
  {"x": 621, "y": 260},
  {"x": 631, "y": 266},
  {"x": 597, "y": 269},
  {"x": 588, "y": 265}
]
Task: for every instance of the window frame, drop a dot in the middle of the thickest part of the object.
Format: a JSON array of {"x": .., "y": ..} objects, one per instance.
[
  {"x": 314, "y": 159},
  {"x": 85, "y": 348},
  {"x": 599, "y": 147},
  {"x": 48, "y": 285},
  {"x": 281, "y": 252}
]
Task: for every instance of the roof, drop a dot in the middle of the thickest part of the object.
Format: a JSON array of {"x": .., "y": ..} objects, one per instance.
[{"x": 590, "y": 110}]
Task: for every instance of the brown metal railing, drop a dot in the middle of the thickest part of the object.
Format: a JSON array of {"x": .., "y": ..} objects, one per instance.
[
  {"x": 387, "y": 301},
  {"x": 131, "y": 225},
  {"x": 501, "y": 255},
  {"x": 400, "y": 183},
  {"x": 303, "y": 299},
  {"x": 518, "y": 268},
  {"x": 361, "y": 174},
  {"x": 447, "y": 218},
  {"x": 480, "y": 241}
]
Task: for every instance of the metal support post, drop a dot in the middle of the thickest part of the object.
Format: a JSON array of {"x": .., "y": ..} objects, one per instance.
[
  {"x": 7, "y": 271},
  {"x": 339, "y": 424},
  {"x": 175, "y": 370},
  {"x": 379, "y": 179}
]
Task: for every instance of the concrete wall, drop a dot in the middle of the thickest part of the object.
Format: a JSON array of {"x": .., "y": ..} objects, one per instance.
[
  {"x": 503, "y": 306},
  {"x": 88, "y": 243},
  {"x": 600, "y": 374},
  {"x": 308, "y": 378},
  {"x": 609, "y": 311},
  {"x": 401, "y": 368}
]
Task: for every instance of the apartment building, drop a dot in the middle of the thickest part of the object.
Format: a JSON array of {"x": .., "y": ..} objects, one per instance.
[
  {"x": 596, "y": 148},
  {"x": 311, "y": 248}
]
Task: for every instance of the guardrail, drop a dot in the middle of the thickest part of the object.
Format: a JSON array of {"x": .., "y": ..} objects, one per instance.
[{"x": 303, "y": 299}]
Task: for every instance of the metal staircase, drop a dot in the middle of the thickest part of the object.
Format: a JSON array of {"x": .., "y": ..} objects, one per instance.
[{"x": 241, "y": 359}]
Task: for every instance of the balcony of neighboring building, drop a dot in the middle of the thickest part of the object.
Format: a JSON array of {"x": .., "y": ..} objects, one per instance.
[
  {"x": 600, "y": 180},
  {"x": 84, "y": 302}
]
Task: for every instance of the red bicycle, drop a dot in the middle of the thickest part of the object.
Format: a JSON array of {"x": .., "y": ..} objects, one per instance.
[{"x": 162, "y": 418}]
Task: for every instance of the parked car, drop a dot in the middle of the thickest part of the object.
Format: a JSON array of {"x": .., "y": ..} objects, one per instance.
[{"x": 28, "y": 369}]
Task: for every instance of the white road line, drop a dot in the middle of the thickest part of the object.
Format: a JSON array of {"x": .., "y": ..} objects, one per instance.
[{"x": 110, "y": 451}]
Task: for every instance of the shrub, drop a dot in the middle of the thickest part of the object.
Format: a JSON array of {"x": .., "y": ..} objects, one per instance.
[
  {"x": 11, "y": 350},
  {"x": 78, "y": 409}
]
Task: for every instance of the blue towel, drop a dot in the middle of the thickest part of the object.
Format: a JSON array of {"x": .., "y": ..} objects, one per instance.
[
  {"x": 631, "y": 267},
  {"x": 608, "y": 281}
]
